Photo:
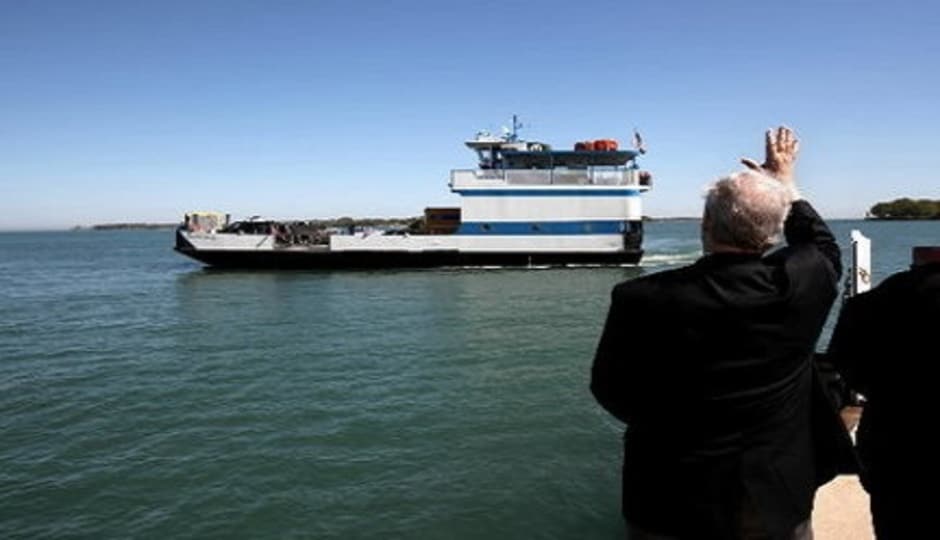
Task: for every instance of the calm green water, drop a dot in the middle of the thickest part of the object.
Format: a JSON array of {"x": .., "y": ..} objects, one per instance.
[{"x": 141, "y": 396}]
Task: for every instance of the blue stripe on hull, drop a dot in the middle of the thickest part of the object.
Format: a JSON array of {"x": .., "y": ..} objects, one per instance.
[
  {"x": 539, "y": 228},
  {"x": 548, "y": 192}
]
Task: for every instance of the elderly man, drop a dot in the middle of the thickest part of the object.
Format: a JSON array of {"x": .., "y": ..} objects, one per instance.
[{"x": 710, "y": 366}]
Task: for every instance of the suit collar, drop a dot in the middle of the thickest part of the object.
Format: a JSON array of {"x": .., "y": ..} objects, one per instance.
[{"x": 724, "y": 258}]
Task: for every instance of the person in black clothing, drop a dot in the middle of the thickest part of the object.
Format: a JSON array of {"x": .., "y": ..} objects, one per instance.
[
  {"x": 883, "y": 344},
  {"x": 710, "y": 367}
]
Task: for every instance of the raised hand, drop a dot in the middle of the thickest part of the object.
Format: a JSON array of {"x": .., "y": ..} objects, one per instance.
[{"x": 781, "y": 148}]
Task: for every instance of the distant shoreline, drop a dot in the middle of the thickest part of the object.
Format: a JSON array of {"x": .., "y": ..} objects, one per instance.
[
  {"x": 679, "y": 218},
  {"x": 902, "y": 218},
  {"x": 330, "y": 222},
  {"x": 125, "y": 226}
]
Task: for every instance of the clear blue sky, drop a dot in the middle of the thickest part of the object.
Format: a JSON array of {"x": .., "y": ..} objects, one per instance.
[{"x": 139, "y": 111}]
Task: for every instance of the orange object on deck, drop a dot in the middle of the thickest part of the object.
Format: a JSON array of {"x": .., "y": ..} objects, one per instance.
[{"x": 605, "y": 145}]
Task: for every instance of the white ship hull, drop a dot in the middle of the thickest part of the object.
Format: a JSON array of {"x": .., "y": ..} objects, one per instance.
[{"x": 378, "y": 251}]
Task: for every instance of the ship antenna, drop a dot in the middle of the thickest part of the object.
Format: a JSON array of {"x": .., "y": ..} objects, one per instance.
[{"x": 516, "y": 126}]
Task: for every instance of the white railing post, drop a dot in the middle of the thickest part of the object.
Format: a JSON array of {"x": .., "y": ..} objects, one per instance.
[{"x": 860, "y": 280}]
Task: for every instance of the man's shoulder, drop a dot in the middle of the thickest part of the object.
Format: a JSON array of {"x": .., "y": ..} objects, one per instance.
[
  {"x": 657, "y": 283},
  {"x": 900, "y": 302},
  {"x": 805, "y": 260},
  {"x": 922, "y": 280},
  {"x": 895, "y": 288},
  {"x": 897, "y": 283}
]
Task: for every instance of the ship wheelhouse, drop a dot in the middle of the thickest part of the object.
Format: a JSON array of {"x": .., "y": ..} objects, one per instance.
[{"x": 528, "y": 188}]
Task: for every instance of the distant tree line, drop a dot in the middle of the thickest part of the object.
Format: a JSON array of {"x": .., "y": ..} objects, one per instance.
[
  {"x": 906, "y": 209},
  {"x": 341, "y": 222}
]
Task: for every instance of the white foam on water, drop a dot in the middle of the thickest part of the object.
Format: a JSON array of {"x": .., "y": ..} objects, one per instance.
[{"x": 669, "y": 259}]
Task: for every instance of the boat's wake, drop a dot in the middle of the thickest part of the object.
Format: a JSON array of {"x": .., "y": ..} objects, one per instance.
[{"x": 655, "y": 260}]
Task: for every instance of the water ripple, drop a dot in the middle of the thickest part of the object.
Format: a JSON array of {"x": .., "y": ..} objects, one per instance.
[{"x": 141, "y": 396}]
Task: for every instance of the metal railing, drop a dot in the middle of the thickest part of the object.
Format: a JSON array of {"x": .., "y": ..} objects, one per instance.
[{"x": 538, "y": 177}]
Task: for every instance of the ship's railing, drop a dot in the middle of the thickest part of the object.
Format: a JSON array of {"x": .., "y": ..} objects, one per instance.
[{"x": 539, "y": 177}]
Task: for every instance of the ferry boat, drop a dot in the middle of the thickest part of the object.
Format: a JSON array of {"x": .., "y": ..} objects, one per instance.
[{"x": 525, "y": 204}]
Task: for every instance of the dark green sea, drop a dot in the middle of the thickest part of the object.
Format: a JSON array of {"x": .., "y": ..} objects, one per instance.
[{"x": 144, "y": 397}]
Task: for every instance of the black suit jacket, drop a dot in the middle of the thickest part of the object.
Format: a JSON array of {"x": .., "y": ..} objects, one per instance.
[
  {"x": 710, "y": 366},
  {"x": 885, "y": 344}
]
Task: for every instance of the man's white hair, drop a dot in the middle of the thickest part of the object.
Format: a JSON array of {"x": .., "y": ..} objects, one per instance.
[{"x": 746, "y": 211}]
